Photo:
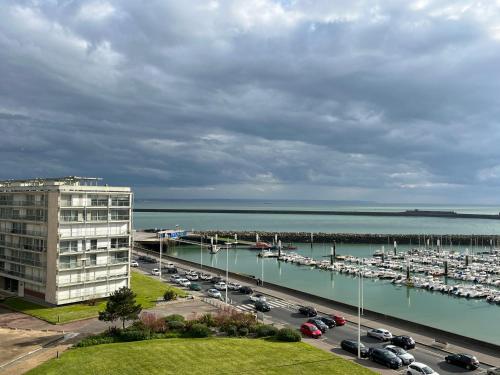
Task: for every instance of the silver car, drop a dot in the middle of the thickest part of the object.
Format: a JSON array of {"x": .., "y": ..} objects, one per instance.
[
  {"x": 380, "y": 333},
  {"x": 406, "y": 357}
]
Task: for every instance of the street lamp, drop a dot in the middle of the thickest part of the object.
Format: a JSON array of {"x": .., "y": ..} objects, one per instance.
[
  {"x": 227, "y": 266},
  {"x": 161, "y": 235}
]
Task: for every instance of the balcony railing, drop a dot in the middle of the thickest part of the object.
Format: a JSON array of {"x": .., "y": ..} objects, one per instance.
[
  {"x": 118, "y": 260},
  {"x": 24, "y": 261},
  {"x": 24, "y": 217},
  {"x": 23, "y": 276},
  {"x": 23, "y": 203},
  {"x": 23, "y": 232},
  {"x": 119, "y": 217},
  {"x": 18, "y": 246}
]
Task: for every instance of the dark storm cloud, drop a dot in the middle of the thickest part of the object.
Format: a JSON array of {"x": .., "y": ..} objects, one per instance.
[{"x": 358, "y": 100}]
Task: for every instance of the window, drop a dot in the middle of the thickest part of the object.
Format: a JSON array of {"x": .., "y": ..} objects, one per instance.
[
  {"x": 119, "y": 215},
  {"x": 68, "y": 246},
  {"x": 120, "y": 201},
  {"x": 117, "y": 243},
  {"x": 93, "y": 244},
  {"x": 99, "y": 201},
  {"x": 71, "y": 215},
  {"x": 97, "y": 215}
]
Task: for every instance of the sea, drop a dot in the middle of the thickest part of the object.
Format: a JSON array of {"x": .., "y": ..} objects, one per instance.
[{"x": 473, "y": 318}]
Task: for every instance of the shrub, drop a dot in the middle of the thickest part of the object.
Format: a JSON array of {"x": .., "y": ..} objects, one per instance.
[
  {"x": 266, "y": 330},
  {"x": 243, "y": 331},
  {"x": 199, "y": 330},
  {"x": 169, "y": 295},
  {"x": 238, "y": 319},
  {"x": 152, "y": 323},
  {"x": 176, "y": 325},
  {"x": 208, "y": 320},
  {"x": 174, "y": 317},
  {"x": 134, "y": 335},
  {"x": 288, "y": 335},
  {"x": 95, "y": 340},
  {"x": 232, "y": 330}
]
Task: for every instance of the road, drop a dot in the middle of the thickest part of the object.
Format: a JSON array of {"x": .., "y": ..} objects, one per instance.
[{"x": 286, "y": 313}]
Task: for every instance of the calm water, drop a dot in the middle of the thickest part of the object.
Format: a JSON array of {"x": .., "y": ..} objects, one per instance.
[
  {"x": 312, "y": 223},
  {"x": 468, "y": 317}
]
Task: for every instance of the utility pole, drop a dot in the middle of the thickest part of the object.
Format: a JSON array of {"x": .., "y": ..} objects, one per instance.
[
  {"x": 359, "y": 315},
  {"x": 161, "y": 249},
  {"x": 227, "y": 267}
]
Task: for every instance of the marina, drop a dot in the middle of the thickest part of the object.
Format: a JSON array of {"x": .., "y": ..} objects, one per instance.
[{"x": 447, "y": 311}]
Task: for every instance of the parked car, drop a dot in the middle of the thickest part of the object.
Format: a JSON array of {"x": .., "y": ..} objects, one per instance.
[
  {"x": 402, "y": 354},
  {"x": 184, "y": 282},
  {"x": 463, "y": 360},
  {"x": 262, "y": 306},
  {"x": 171, "y": 270},
  {"x": 214, "y": 293},
  {"x": 418, "y": 368},
  {"x": 195, "y": 286},
  {"x": 233, "y": 286},
  {"x": 205, "y": 276},
  {"x": 246, "y": 290},
  {"x": 155, "y": 272},
  {"x": 216, "y": 279},
  {"x": 380, "y": 333},
  {"x": 493, "y": 371},
  {"x": 308, "y": 311},
  {"x": 318, "y": 323},
  {"x": 310, "y": 330},
  {"x": 351, "y": 346},
  {"x": 328, "y": 321},
  {"x": 403, "y": 341},
  {"x": 220, "y": 285},
  {"x": 386, "y": 358},
  {"x": 258, "y": 297},
  {"x": 193, "y": 276},
  {"x": 134, "y": 263},
  {"x": 147, "y": 259},
  {"x": 339, "y": 320}
]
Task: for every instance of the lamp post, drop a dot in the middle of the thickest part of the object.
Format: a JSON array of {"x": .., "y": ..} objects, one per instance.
[
  {"x": 201, "y": 252},
  {"x": 227, "y": 266},
  {"x": 359, "y": 315},
  {"x": 161, "y": 235}
]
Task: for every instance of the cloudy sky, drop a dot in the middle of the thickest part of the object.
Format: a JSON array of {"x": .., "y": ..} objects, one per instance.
[{"x": 391, "y": 101}]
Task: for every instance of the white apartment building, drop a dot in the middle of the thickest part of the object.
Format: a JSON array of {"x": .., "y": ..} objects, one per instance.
[{"x": 64, "y": 240}]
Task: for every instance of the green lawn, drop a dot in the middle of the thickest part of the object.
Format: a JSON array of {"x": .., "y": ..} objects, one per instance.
[
  {"x": 200, "y": 356},
  {"x": 148, "y": 289}
]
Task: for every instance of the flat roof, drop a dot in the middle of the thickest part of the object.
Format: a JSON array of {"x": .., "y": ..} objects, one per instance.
[{"x": 68, "y": 180}]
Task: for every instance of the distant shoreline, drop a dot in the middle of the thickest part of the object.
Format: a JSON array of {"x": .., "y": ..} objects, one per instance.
[{"x": 407, "y": 213}]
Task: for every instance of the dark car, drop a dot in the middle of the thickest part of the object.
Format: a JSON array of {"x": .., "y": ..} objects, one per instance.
[
  {"x": 351, "y": 346},
  {"x": 216, "y": 279},
  {"x": 171, "y": 270},
  {"x": 386, "y": 358},
  {"x": 463, "y": 360},
  {"x": 194, "y": 286},
  {"x": 318, "y": 323},
  {"x": 328, "y": 321},
  {"x": 308, "y": 311},
  {"x": 405, "y": 342},
  {"x": 246, "y": 290},
  {"x": 262, "y": 306}
]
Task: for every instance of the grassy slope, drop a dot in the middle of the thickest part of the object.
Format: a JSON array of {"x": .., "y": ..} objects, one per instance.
[
  {"x": 147, "y": 289},
  {"x": 200, "y": 356}
]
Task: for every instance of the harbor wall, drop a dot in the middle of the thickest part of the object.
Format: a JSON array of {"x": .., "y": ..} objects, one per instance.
[
  {"x": 383, "y": 239},
  {"x": 436, "y": 333}
]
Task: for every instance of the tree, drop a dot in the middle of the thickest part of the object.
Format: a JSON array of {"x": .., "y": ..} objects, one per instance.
[{"x": 121, "y": 305}]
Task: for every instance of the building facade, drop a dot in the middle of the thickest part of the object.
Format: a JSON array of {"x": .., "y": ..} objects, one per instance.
[{"x": 64, "y": 240}]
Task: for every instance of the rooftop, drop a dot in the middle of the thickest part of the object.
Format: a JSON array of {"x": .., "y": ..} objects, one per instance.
[{"x": 68, "y": 180}]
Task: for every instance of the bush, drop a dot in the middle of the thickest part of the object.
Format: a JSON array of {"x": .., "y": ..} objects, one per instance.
[
  {"x": 208, "y": 320},
  {"x": 243, "y": 331},
  {"x": 288, "y": 335},
  {"x": 174, "y": 318},
  {"x": 199, "y": 330},
  {"x": 95, "y": 340},
  {"x": 169, "y": 295},
  {"x": 266, "y": 330},
  {"x": 134, "y": 335},
  {"x": 232, "y": 330},
  {"x": 238, "y": 319},
  {"x": 152, "y": 323},
  {"x": 176, "y": 325}
]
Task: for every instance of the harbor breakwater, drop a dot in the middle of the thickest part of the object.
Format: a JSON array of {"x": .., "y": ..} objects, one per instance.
[{"x": 478, "y": 241}]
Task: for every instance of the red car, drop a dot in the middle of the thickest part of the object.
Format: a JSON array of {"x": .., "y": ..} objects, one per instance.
[
  {"x": 339, "y": 320},
  {"x": 310, "y": 330}
]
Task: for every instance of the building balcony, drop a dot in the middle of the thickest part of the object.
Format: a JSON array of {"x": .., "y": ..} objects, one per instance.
[
  {"x": 23, "y": 204},
  {"x": 83, "y": 280},
  {"x": 19, "y": 232},
  {"x": 23, "y": 276},
  {"x": 23, "y": 261},
  {"x": 23, "y": 247}
]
